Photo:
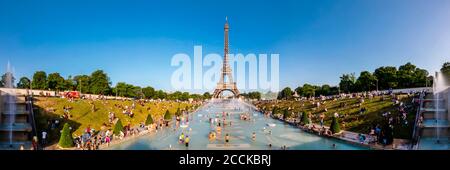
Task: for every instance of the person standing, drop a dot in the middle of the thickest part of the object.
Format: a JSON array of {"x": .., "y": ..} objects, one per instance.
[{"x": 44, "y": 138}]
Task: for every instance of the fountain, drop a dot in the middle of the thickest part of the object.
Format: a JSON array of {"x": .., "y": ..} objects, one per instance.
[
  {"x": 10, "y": 102},
  {"x": 439, "y": 85},
  {"x": 435, "y": 130},
  {"x": 15, "y": 122}
]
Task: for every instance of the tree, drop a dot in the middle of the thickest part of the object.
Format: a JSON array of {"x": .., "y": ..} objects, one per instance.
[
  {"x": 65, "y": 140},
  {"x": 308, "y": 90},
  {"x": 335, "y": 127},
  {"x": 160, "y": 95},
  {"x": 82, "y": 83},
  {"x": 55, "y": 81},
  {"x": 347, "y": 83},
  {"x": 118, "y": 127},
  {"x": 420, "y": 77},
  {"x": 69, "y": 84},
  {"x": 207, "y": 95},
  {"x": 4, "y": 81},
  {"x": 39, "y": 80},
  {"x": 148, "y": 92},
  {"x": 149, "y": 120},
  {"x": 405, "y": 75},
  {"x": 305, "y": 118},
  {"x": 99, "y": 83},
  {"x": 325, "y": 90},
  {"x": 387, "y": 77},
  {"x": 24, "y": 83},
  {"x": 366, "y": 81},
  {"x": 285, "y": 94},
  {"x": 446, "y": 70},
  {"x": 167, "y": 116}
]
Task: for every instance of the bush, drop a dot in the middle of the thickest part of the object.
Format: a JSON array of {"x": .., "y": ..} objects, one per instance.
[
  {"x": 178, "y": 113},
  {"x": 285, "y": 114},
  {"x": 274, "y": 111},
  {"x": 305, "y": 118},
  {"x": 167, "y": 116},
  {"x": 149, "y": 120},
  {"x": 66, "y": 141},
  {"x": 335, "y": 127},
  {"x": 118, "y": 127}
]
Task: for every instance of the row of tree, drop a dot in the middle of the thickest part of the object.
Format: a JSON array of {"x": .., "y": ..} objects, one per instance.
[
  {"x": 97, "y": 83},
  {"x": 383, "y": 78}
]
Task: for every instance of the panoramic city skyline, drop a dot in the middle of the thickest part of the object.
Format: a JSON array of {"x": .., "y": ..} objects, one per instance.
[{"x": 134, "y": 42}]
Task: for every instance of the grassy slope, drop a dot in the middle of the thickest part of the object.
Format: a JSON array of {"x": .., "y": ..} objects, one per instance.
[
  {"x": 82, "y": 114},
  {"x": 353, "y": 120}
]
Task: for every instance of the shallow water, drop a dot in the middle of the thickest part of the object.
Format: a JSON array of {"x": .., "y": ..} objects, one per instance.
[{"x": 240, "y": 132}]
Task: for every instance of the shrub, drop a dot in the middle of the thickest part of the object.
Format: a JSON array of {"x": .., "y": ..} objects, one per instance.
[
  {"x": 149, "y": 120},
  {"x": 335, "y": 127},
  {"x": 305, "y": 118},
  {"x": 118, "y": 127},
  {"x": 66, "y": 141},
  {"x": 167, "y": 116}
]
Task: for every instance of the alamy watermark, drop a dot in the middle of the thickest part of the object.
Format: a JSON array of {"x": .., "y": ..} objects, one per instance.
[{"x": 203, "y": 73}]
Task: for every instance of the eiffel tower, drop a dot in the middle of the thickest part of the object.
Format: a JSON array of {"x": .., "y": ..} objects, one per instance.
[{"x": 226, "y": 84}]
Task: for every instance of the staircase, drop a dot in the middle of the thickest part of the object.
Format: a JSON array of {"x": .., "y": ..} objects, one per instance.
[{"x": 435, "y": 130}]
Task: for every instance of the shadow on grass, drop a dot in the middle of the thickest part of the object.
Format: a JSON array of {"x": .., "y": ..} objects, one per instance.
[{"x": 44, "y": 119}]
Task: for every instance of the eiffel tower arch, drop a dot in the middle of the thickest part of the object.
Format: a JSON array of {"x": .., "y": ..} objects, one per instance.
[{"x": 226, "y": 84}]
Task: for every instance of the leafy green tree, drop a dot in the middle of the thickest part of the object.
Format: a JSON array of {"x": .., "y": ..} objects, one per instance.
[
  {"x": 420, "y": 77},
  {"x": 325, "y": 90},
  {"x": 3, "y": 82},
  {"x": 387, "y": 77},
  {"x": 82, "y": 83},
  {"x": 308, "y": 90},
  {"x": 69, "y": 83},
  {"x": 366, "y": 81},
  {"x": 118, "y": 127},
  {"x": 335, "y": 127},
  {"x": 405, "y": 75},
  {"x": 148, "y": 92},
  {"x": 65, "y": 140},
  {"x": 149, "y": 120},
  {"x": 99, "y": 83},
  {"x": 207, "y": 95},
  {"x": 55, "y": 81},
  {"x": 39, "y": 80},
  {"x": 24, "y": 83},
  {"x": 446, "y": 70},
  {"x": 347, "y": 83},
  {"x": 285, "y": 94}
]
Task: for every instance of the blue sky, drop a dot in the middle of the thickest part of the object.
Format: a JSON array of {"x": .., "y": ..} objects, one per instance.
[{"x": 134, "y": 41}]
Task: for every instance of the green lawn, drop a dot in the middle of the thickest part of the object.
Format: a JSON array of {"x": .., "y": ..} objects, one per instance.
[
  {"x": 354, "y": 121},
  {"x": 82, "y": 114}
]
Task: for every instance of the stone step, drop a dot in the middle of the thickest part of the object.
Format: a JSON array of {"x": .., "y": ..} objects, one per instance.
[
  {"x": 433, "y": 132},
  {"x": 433, "y": 110},
  {"x": 433, "y": 115},
  {"x": 436, "y": 123},
  {"x": 16, "y": 127},
  {"x": 15, "y": 145},
  {"x": 22, "y": 118}
]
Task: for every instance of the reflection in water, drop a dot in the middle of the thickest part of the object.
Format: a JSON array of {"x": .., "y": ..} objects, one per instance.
[{"x": 246, "y": 128}]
